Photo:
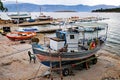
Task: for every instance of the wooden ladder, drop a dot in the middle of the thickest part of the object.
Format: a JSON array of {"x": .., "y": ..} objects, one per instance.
[{"x": 56, "y": 68}]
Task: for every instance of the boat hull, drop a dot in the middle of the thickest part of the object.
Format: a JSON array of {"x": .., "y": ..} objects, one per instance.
[
  {"x": 70, "y": 55},
  {"x": 47, "y": 57},
  {"x": 54, "y": 61}
]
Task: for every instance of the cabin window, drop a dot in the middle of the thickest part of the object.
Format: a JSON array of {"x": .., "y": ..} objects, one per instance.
[
  {"x": 63, "y": 36},
  {"x": 71, "y": 36},
  {"x": 58, "y": 34}
]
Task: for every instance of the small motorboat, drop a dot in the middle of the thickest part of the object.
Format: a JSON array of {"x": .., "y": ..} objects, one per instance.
[
  {"x": 20, "y": 35},
  {"x": 28, "y": 29}
]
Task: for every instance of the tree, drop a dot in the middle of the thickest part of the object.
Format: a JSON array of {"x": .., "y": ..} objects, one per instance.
[{"x": 2, "y": 8}]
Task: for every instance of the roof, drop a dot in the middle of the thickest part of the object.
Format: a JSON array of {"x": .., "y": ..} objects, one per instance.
[{"x": 69, "y": 31}]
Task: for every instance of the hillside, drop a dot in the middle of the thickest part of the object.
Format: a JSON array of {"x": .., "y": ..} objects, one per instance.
[
  {"x": 26, "y": 7},
  {"x": 107, "y": 10}
]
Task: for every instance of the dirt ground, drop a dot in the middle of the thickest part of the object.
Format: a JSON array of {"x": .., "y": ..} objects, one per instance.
[{"x": 15, "y": 65}]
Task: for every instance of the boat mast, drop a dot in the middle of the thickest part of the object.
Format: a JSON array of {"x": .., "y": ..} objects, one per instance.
[
  {"x": 17, "y": 12},
  {"x": 40, "y": 10}
]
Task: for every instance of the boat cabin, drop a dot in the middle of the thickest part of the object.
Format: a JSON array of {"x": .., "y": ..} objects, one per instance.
[{"x": 67, "y": 39}]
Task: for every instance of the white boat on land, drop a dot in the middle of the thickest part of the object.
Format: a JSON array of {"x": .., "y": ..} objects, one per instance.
[
  {"x": 71, "y": 44},
  {"x": 28, "y": 29},
  {"x": 19, "y": 18}
]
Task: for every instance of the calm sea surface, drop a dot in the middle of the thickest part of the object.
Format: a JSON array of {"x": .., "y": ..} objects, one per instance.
[{"x": 113, "y": 40}]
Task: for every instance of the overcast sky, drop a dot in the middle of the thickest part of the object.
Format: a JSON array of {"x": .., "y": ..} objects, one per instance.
[{"x": 69, "y": 2}]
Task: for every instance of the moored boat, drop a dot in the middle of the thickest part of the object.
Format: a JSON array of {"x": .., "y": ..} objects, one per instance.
[
  {"x": 43, "y": 17},
  {"x": 20, "y": 35},
  {"x": 71, "y": 45}
]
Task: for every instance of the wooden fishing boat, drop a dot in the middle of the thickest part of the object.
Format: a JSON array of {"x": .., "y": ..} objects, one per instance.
[
  {"x": 70, "y": 44},
  {"x": 20, "y": 35}
]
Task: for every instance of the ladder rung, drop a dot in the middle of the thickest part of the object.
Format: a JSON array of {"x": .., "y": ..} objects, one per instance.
[{"x": 56, "y": 69}]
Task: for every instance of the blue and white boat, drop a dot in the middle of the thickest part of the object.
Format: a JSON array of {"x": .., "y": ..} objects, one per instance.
[
  {"x": 71, "y": 44},
  {"x": 29, "y": 29}
]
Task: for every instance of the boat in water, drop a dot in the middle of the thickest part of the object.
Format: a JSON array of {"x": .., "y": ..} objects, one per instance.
[
  {"x": 20, "y": 35},
  {"x": 43, "y": 17},
  {"x": 71, "y": 44}
]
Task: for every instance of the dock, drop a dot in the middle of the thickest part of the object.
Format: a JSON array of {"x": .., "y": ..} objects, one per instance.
[
  {"x": 46, "y": 22},
  {"x": 34, "y": 23}
]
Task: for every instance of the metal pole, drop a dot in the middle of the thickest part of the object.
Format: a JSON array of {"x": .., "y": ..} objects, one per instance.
[
  {"x": 106, "y": 30},
  {"x": 83, "y": 33},
  {"x": 97, "y": 34},
  {"x": 44, "y": 38}
]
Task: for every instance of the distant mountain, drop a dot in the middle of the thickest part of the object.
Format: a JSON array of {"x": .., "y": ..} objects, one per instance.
[{"x": 26, "y": 7}]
